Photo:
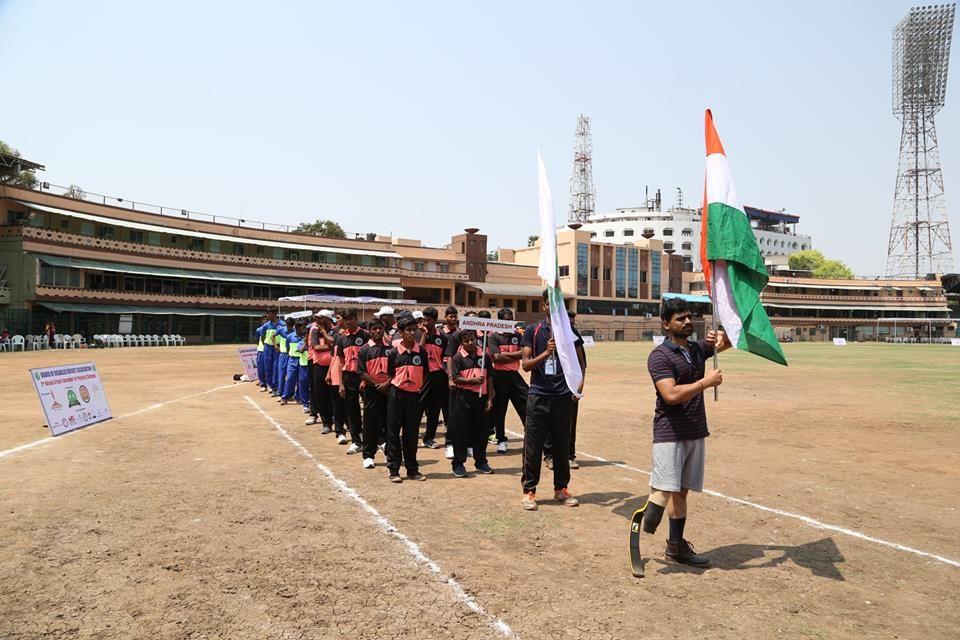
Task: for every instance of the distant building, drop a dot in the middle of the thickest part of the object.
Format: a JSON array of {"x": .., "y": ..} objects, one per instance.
[{"x": 679, "y": 229}]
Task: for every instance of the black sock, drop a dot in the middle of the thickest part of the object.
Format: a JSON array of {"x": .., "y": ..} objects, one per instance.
[{"x": 676, "y": 530}]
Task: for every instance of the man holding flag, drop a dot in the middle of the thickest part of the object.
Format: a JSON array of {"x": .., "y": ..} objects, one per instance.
[
  {"x": 734, "y": 270},
  {"x": 553, "y": 355}
]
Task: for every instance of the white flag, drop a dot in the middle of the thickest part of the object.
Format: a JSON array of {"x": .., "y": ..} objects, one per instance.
[{"x": 559, "y": 320}]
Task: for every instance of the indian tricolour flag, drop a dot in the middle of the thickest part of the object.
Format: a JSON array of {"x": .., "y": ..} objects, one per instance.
[
  {"x": 550, "y": 273},
  {"x": 731, "y": 259}
]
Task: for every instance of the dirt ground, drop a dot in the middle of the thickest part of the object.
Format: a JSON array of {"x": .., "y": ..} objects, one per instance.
[{"x": 197, "y": 518}]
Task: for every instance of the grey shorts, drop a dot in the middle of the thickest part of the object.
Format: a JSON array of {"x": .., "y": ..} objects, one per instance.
[{"x": 678, "y": 465}]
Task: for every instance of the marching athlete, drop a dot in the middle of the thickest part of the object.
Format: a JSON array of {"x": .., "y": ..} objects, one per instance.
[
  {"x": 678, "y": 370},
  {"x": 473, "y": 400},
  {"x": 408, "y": 368},
  {"x": 372, "y": 367},
  {"x": 319, "y": 342},
  {"x": 436, "y": 391},
  {"x": 509, "y": 385},
  {"x": 346, "y": 348}
]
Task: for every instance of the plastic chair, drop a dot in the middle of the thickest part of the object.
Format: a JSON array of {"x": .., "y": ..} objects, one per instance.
[
  {"x": 180, "y": 340},
  {"x": 17, "y": 341},
  {"x": 58, "y": 341},
  {"x": 5, "y": 345},
  {"x": 79, "y": 341},
  {"x": 166, "y": 340},
  {"x": 156, "y": 340},
  {"x": 29, "y": 341}
]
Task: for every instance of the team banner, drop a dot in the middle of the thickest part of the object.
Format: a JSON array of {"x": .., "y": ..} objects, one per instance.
[
  {"x": 487, "y": 324},
  {"x": 71, "y": 395},
  {"x": 248, "y": 358}
]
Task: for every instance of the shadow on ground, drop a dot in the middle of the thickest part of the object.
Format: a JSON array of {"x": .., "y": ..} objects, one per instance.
[{"x": 820, "y": 557}]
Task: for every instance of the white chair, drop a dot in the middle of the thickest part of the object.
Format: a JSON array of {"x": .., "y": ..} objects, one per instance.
[
  {"x": 144, "y": 342},
  {"x": 114, "y": 340},
  {"x": 58, "y": 341},
  {"x": 129, "y": 340},
  {"x": 29, "y": 340},
  {"x": 68, "y": 341},
  {"x": 79, "y": 341},
  {"x": 180, "y": 340},
  {"x": 156, "y": 340},
  {"x": 5, "y": 345},
  {"x": 166, "y": 340},
  {"x": 17, "y": 342}
]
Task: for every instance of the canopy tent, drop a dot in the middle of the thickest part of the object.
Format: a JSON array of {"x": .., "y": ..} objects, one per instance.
[
  {"x": 687, "y": 297},
  {"x": 344, "y": 301}
]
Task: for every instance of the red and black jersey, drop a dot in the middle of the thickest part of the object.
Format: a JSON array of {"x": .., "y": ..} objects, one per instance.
[
  {"x": 504, "y": 343},
  {"x": 467, "y": 365},
  {"x": 347, "y": 346},
  {"x": 436, "y": 345},
  {"x": 372, "y": 360},
  {"x": 408, "y": 367}
]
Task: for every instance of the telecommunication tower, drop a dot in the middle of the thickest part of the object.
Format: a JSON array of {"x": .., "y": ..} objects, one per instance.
[
  {"x": 582, "y": 195},
  {"x": 919, "y": 234}
]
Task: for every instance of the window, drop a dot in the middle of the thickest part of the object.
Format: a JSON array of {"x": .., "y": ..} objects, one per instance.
[
  {"x": 667, "y": 246},
  {"x": 803, "y": 247},
  {"x": 632, "y": 267},
  {"x": 105, "y": 232},
  {"x": 102, "y": 282},
  {"x": 655, "y": 275},
  {"x": 173, "y": 239},
  {"x": 621, "y": 285},
  {"x": 418, "y": 266},
  {"x": 687, "y": 232},
  {"x": 606, "y": 274},
  {"x": 535, "y": 306},
  {"x": 668, "y": 231},
  {"x": 628, "y": 233},
  {"x": 648, "y": 231},
  {"x": 215, "y": 246},
  {"x": 238, "y": 249},
  {"x": 86, "y": 228},
  {"x": 582, "y": 262},
  {"x": 608, "y": 233},
  {"x": 521, "y": 306},
  {"x": 686, "y": 246},
  {"x": 59, "y": 276},
  {"x": 492, "y": 302},
  {"x": 594, "y": 273},
  {"x": 65, "y": 224},
  {"x": 153, "y": 238},
  {"x": 508, "y": 303},
  {"x": 643, "y": 277},
  {"x": 444, "y": 267},
  {"x": 196, "y": 244},
  {"x": 564, "y": 271},
  {"x": 593, "y": 234},
  {"x": 136, "y": 236},
  {"x": 293, "y": 255}
]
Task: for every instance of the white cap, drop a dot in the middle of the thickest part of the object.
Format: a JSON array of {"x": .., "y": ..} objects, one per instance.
[
  {"x": 384, "y": 311},
  {"x": 326, "y": 313},
  {"x": 418, "y": 315}
]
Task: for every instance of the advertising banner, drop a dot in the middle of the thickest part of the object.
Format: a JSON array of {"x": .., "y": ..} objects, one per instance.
[
  {"x": 840, "y": 342},
  {"x": 248, "y": 357},
  {"x": 71, "y": 395},
  {"x": 588, "y": 341}
]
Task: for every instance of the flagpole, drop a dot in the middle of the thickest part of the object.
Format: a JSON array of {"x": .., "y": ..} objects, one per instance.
[{"x": 713, "y": 316}]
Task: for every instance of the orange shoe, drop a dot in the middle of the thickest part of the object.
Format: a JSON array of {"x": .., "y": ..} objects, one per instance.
[
  {"x": 563, "y": 497},
  {"x": 529, "y": 501}
]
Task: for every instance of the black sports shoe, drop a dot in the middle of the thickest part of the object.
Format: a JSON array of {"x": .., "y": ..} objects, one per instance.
[
  {"x": 459, "y": 470},
  {"x": 683, "y": 553},
  {"x": 483, "y": 467}
]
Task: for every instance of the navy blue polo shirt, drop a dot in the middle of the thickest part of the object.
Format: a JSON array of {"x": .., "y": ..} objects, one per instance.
[
  {"x": 541, "y": 384},
  {"x": 687, "y": 421}
]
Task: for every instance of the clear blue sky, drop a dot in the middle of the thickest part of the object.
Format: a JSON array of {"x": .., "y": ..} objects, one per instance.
[{"x": 422, "y": 118}]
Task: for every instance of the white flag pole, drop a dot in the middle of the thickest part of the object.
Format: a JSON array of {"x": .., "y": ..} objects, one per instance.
[{"x": 713, "y": 315}]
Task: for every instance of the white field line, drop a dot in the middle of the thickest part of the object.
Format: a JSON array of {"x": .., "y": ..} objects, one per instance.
[
  {"x": 412, "y": 547},
  {"x": 30, "y": 445},
  {"x": 787, "y": 514}
]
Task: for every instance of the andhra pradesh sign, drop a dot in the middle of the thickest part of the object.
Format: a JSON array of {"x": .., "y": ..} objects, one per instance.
[
  {"x": 71, "y": 395},
  {"x": 248, "y": 357},
  {"x": 487, "y": 324}
]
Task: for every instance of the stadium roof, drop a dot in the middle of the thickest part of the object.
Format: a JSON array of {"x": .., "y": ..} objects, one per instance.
[
  {"x": 210, "y": 236},
  {"x": 63, "y": 307},
  {"x": 7, "y": 160},
  {"x": 169, "y": 272}
]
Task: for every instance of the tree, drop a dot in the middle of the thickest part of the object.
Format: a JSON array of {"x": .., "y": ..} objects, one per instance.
[
  {"x": 492, "y": 256},
  {"x": 819, "y": 266},
  {"x": 325, "y": 228},
  {"x": 9, "y": 175},
  {"x": 76, "y": 192},
  {"x": 532, "y": 240}
]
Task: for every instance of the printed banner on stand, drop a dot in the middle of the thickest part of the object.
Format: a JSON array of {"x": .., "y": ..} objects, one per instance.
[
  {"x": 71, "y": 395},
  {"x": 248, "y": 357}
]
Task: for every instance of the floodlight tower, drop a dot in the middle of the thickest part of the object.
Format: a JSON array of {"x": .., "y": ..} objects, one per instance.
[
  {"x": 582, "y": 194},
  {"x": 919, "y": 235}
]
